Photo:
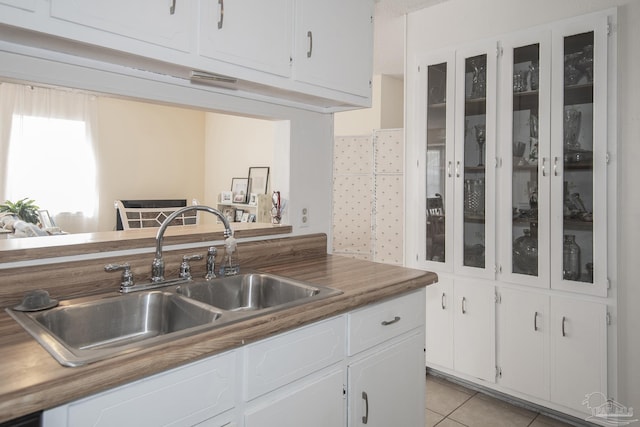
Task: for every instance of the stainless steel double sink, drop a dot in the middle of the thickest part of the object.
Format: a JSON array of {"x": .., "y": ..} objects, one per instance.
[{"x": 85, "y": 330}]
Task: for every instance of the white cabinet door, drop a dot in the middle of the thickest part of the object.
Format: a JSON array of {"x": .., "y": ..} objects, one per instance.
[
  {"x": 439, "y": 323},
  {"x": 252, "y": 33},
  {"x": 579, "y": 156},
  {"x": 474, "y": 329},
  {"x": 181, "y": 397},
  {"x": 475, "y": 157},
  {"x": 523, "y": 344},
  {"x": 387, "y": 388},
  {"x": 316, "y": 403},
  {"x": 169, "y": 24},
  {"x": 333, "y": 44},
  {"x": 578, "y": 351}
]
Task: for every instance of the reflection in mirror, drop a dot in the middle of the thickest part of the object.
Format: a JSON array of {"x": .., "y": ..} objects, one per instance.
[{"x": 75, "y": 153}]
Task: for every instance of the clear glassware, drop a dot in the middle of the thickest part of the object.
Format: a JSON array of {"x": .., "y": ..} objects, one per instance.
[
  {"x": 525, "y": 251},
  {"x": 570, "y": 258}
]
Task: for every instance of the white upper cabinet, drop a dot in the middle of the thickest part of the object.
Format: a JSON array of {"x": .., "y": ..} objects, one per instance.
[
  {"x": 475, "y": 161},
  {"x": 554, "y": 151},
  {"x": 301, "y": 53},
  {"x": 334, "y": 44},
  {"x": 253, "y": 33},
  {"x": 164, "y": 23}
]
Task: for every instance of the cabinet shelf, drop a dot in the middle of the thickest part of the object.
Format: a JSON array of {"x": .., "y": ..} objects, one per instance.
[
  {"x": 578, "y": 94},
  {"x": 475, "y": 169},
  {"x": 578, "y": 225},
  {"x": 475, "y": 218},
  {"x": 526, "y": 100},
  {"x": 475, "y": 106}
]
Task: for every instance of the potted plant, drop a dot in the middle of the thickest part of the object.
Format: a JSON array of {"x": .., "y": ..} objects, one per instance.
[{"x": 24, "y": 209}]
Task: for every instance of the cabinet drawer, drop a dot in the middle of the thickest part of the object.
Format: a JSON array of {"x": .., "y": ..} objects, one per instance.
[
  {"x": 280, "y": 360},
  {"x": 372, "y": 325}
]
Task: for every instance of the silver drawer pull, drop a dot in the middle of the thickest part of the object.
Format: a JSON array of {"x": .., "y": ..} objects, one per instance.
[
  {"x": 391, "y": 322},
  {"x": 365, "y": 417}
]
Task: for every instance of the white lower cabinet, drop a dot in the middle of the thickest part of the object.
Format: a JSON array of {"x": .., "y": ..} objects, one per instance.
[
  {"x": 183, "y": 396},
  {"x": 316, "y": 402},
  {"x": 386, "y": 388},
  {"x": 578, "y": 332},
  {"x": 460, "y": 327},
  {"x": 312, "y": 376},
  {"x": 386, "y": 374},
  {"x": 552, "y": 347},
  {"x": 523, "y": 345}
]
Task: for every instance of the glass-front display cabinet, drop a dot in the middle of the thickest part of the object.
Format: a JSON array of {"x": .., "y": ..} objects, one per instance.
[
  {"x": 579, "y": 158},
  {"x": 475, "y": 159},
  {"x": 554, "y": 152},
  {"x": 459, "y": 143}
]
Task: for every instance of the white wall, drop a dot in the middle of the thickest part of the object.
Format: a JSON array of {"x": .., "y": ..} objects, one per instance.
[
  {"x": 386, "y": 112},
  {"x": 463, "y": 21},
  {"x": 136, "y": 140},
  {"x": 233, "y": 145}
]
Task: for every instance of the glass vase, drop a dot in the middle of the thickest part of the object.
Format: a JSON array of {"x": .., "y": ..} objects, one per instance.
[{"x": 570, "y": 258}]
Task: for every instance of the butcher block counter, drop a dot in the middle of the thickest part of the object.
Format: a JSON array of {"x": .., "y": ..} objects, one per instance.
[{"x": 32, "y": 380}]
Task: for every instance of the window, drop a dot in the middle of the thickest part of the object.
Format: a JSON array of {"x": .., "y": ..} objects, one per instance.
[
  {"x": 47, "y": 143},
  {"x": 51, "y": 161}
]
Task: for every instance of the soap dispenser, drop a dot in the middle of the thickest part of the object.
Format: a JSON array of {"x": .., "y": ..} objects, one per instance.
[{"x": 230, "y": 266}]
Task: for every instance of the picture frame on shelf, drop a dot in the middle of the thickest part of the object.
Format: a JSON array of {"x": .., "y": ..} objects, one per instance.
[
  {"x": 239, "y": 189},
  {"x": 239, "y": 214},
  {"x": 251, "y": 218},
  {"x": 245, "y": 217},
  {"x": 229, "y": 213},
  {"x": 226, "y": 197},
  {"x": 253, "y": 199},
  {"x": 45, "y": 219},
  {"x": 258, "y": 180}
]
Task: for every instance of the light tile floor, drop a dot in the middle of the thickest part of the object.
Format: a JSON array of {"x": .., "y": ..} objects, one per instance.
[{"x": 451, "y": 405}]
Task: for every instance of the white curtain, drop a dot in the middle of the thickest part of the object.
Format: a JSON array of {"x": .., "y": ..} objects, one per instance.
[{"x": 47, "y": 152}]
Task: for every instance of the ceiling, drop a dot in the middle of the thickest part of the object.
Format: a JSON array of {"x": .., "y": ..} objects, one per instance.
[{"x": 388, "y": 43}]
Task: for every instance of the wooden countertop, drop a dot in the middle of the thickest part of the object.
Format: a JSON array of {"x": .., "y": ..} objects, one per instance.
[{"x": 32, "y": 380}]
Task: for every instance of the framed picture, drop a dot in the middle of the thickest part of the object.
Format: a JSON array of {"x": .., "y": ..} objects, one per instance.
[
  {"x": 251, "y": 218},
  {"x": 239, "y": 214},
  {"x": 258, "y": 180},
  {"x": 229, "y": 213},
  {"x": 245, "y": 217},
  {"x": 253, "y": 199},
  {"x": 226, "y": 197},
  {"x": 45, "y": 219},
  {"x": 239, "y": 189}
]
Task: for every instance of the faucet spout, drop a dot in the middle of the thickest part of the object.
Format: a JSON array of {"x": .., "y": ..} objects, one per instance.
[{"x": 157, "y": 267}]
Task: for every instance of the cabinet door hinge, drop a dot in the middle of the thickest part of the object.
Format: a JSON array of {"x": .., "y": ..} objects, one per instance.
[
  {"x": 499, "y": 50},
  {"x": 344, "y": 391},
  {"x": 608, "y": 157},
  {"x": 609, "y": 29},
  {"x": 608, "y": 318},
  {"x": 498, "y": 162},
  {"x": 608, "y": 283},
  {"x": 498, "y": 298},
  {"x": 419, "y": 68},
  {"x": 498, "y": 372}
]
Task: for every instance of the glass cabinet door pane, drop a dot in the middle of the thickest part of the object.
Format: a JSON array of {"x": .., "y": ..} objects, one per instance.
[
  {"x": 436, "y": 158},
  {"x": 524, "y": 175},
  {"x": 577, "y": 159},
  {"x": 474, "y": 161}
]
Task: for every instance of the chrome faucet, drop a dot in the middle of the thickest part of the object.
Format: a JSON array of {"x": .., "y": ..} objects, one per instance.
[{"x": 157, "y": 267}]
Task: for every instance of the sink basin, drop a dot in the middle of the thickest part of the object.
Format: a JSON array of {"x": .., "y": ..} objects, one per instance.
[
  {"x": 89, "y": 329},
  {"x": 253, "y": 292},
  {"x": 76, "y": 333}
]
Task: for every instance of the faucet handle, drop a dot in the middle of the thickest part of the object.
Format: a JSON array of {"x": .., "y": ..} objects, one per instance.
[
  {"x": 185, "y": 267},
  {"x": 127, "y": 275}
]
